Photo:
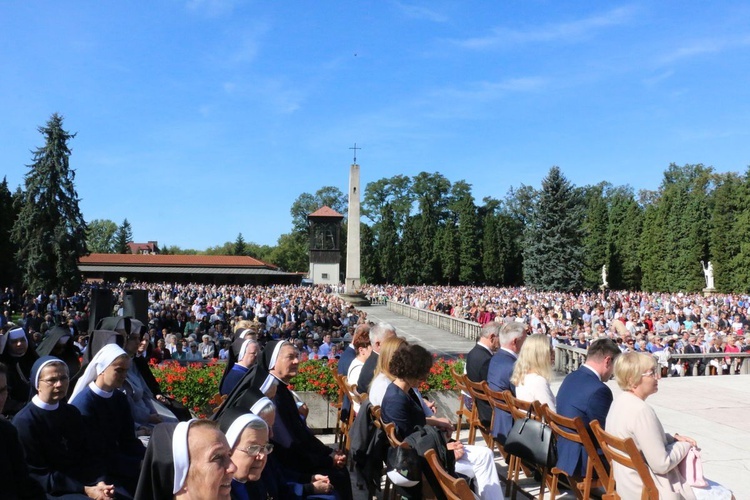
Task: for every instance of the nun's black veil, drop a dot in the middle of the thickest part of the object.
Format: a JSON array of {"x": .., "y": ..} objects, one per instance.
[
  {"x": 157, "y": 472},
  {"x": 247, "y": 392}
]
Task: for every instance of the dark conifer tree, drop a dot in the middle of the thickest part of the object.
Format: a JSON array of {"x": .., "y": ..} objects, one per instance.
[
  {"x": 553, "y": 250},
  {"x": 50, "y": 232},
  {"x": 123, "y": 236}
]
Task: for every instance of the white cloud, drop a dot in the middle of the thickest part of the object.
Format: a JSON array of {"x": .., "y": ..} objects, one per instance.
[
  {"x": 704, "y": 46},
  {"x": 212, "y": 8},
  {"x": 420, "y": 12},
  {"x": 569, "y": 31},
  {"x": 486, "y": 91}
]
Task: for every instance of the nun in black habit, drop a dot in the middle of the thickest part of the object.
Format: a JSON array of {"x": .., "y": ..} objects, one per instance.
[
  {"x": 296, "y": 448},
  {"x": 60, "y": 343},
  {"x": 16, "y": 354},
  {"x": 55, "y": 439}
]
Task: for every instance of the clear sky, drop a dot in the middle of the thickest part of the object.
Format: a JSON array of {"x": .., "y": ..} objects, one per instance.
[{"x": 201, "y": 119}]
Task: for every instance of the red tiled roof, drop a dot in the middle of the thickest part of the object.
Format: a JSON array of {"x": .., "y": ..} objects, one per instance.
[
  {"x": 325, "y": 211},
  {"x": 174, "y": 260}
]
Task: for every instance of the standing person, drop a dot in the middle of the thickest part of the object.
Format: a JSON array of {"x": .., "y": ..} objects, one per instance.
[
  {"x": 584, "y": 394},
  {"x": 533, "y": 371},
  {"x": 107, "y": 414},
  {"x": 378, "y": 334},
  {"x": 511, "y": 337},
  {"x": 630, "y": 417}
]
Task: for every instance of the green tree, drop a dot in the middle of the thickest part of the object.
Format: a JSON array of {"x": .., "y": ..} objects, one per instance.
[
  {"x": 50, "y": 232},
  {"x": 368, "y": 260},
  {"x": 431, "y": 193},
  {"x": 307, "y": 203},
  {"x": 624, "y": 236},
  {"x": 123, "y": 236},
  {"x": 100, "y": 236},
  {"x": 595, "y": 242},
  {"x": 389, "y": 259},
  {"x": 469, "y": 237},
  {"x": 492, "y": 269},
  {"x": 411, "y": 250},
  {"x": 290, "y": 253},
  {"x": 447, "y": 247},
  {"x": 553, "y": 253},
  {"x": 8, "y": 214},
  {"x": 240, "y": 248}
]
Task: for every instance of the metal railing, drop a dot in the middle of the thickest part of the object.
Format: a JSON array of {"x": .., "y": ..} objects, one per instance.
[
  {"x": 456, "y": 326},
  {"x": 568, "y": 359}
]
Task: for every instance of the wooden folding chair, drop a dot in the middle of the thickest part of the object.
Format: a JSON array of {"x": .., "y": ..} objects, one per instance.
[
  {"x": 338, "y": 433},
  {"x": 454, "y": 488},
  {"x": 625, "y": 453},
  {"x": 518, "y": 410},
  {"x": 354, "y": 397},
  {"x": 478, "y": 392},
  {"x": 573, "y": 429},
  {"x": 463, "y": 413},
  {"x": 498, "y": 403}
]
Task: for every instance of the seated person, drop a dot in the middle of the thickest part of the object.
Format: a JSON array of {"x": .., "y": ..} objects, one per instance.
[
  {"x": 245, "y": 360},
  {"x": 107, "y": 414},
  {"x": 187, "y": 461},
  {"x": 630, "y": 417},
  {"x": 19, "y": 358},
  {"x": 54, "y": 438},
  {"x": 14, "y": 473},
  {"x": 295, "y": 446},
  {"x": 402, "y": 405}
]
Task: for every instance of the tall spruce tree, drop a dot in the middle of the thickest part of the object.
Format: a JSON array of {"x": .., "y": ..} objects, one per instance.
[
  {"x": 8, "y": 214},
  {"x": 240, "y": 247},
  {"x": 50, "y": 232},
  {"x": 595, "y": 234},
  {"x": 123, "y": 236},
  {"x": 553, "y": 250}
]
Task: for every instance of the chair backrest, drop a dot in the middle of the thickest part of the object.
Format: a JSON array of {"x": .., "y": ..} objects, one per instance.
[
  {"x": 454, "y": 489},
  {"x": 477, "y": 390},
  {"x": 573, "y": 429},
  {"x": 389, "y": 429},
  {"x": 518, "y": 408},
  {"x": 460, "y": 380},
  {"x": 497, "y": 402},
  {"x": 625, "y": 453}
]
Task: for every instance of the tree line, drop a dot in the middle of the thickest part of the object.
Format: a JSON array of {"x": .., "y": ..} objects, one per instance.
[{"x": 426, "y": 229}]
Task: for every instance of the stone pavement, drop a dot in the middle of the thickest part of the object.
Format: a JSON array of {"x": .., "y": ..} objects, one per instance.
[{"x": 715, "y": 411}]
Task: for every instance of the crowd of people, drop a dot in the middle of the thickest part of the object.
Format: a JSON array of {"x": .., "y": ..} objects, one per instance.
[{"x": 90, "y": 420}]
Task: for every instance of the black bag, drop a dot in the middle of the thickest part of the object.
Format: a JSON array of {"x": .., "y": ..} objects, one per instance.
[{"x": 532, "y": 441}]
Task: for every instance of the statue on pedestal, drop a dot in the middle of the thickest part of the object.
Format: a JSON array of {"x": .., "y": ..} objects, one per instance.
[
  {"x": 708, "y": 272},
  {"x": 604, "y": 276}
]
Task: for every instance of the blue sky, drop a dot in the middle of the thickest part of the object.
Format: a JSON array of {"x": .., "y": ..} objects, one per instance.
[{"x": 201, "y": 119}]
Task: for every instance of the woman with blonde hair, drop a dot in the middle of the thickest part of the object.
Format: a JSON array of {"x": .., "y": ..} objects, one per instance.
[
  {"x": 630, "y": 417},
  {"x": 383, "y": 377},
  {"x": 532, "y": 372}
]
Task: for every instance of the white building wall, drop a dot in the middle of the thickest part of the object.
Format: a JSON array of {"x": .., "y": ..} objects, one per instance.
[{"x": 327, "y": 274}]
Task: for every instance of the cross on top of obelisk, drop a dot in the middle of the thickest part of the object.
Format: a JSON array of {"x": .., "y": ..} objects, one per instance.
[{"x": 355, "y": 148}]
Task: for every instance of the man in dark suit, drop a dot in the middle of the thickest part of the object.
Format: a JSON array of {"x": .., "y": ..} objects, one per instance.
[
  {"x": 345, "y": 360},
  {"x": 691, "y": 347},
  {"x": 511, "y": 338},
  {"x": 478, "y": 363},
  {"x": 585, "y": 394},
  {"x": 378, "y": 334}
]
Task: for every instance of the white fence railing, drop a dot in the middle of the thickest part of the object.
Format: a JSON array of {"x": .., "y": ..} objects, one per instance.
[
  {"x": 568, "y": 359},
  {"x": 457, "y": 326}
]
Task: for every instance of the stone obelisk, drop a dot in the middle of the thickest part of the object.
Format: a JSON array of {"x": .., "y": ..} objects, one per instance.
[{"x": 353, "y": 283}]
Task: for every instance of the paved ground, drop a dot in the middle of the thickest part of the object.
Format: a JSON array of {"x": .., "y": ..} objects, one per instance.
[
  {"x": 715, "y": 411},
  {"x": 429, "y": 337}
]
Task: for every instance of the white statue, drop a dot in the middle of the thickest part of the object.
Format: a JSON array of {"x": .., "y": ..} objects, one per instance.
[
  {"x": 604, "y": 276},
  {"x": 708, "y": 272}
]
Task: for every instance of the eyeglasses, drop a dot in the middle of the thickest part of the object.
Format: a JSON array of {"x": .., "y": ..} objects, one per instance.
[
  {"x": 256, "y": 449},
  {"x": 651, "y": 374},
  {"x": 55, "y": 380}
]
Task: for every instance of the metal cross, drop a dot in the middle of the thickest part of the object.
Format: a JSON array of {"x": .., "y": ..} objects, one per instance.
[{"x": 355, "y": 148}]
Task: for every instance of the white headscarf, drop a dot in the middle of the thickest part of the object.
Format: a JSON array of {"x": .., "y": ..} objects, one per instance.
[
  {"x": 256, "y": 408},
  {"x": 275, "y": 353},
  {"x": 235, "y": 430},
  {"x": 101, "y": 361},
  {"x": 15, "y": 333},
  {"x": 243, "y": 349},
  {"x": 180, "y": 454}
]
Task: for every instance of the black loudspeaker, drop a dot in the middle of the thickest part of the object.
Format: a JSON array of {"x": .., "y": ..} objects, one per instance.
[
  {"x": 100, "y": 307},
  {"x": 135, "y": 303}
]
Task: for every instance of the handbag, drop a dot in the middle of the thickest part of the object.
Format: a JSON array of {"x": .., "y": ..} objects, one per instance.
[
  {"x": 691, "y": 468},
  {"x": 532, "y": 441}
]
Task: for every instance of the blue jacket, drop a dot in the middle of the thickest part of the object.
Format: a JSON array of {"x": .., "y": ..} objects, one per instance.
[
  {"x": 498, "y": 378},
  {"x": 583, "y": 395}
]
